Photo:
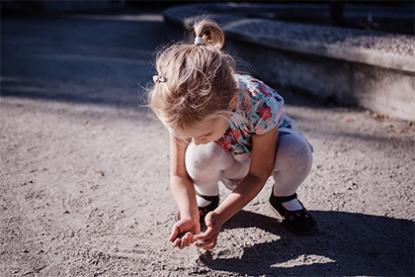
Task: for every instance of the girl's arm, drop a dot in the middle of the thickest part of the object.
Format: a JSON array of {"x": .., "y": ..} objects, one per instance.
[
  {"x": 262, "y": 163},
  {"x": 181, "y": 186}
]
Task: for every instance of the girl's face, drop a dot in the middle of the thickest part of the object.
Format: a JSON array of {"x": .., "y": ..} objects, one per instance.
[{"x": 208, "y": 130}]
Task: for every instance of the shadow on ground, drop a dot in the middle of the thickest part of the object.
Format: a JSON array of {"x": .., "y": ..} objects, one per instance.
[
  {"x": 353, "y": 244},
  {"x": 81, "y": 60}
]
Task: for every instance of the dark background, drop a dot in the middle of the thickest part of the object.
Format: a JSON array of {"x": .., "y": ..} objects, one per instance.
[{"x": 388, "y": 16}]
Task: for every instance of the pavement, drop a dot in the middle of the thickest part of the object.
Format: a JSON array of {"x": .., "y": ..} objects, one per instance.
[{"x": 84, "y": 169}]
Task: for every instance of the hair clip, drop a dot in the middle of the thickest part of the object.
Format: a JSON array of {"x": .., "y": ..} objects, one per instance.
[
  {"x": 159, "y": 79},
  {"x": 199, "y": 41}
]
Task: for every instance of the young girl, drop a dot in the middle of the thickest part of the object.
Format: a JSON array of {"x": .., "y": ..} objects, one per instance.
[{"x": 226, "y": 127}]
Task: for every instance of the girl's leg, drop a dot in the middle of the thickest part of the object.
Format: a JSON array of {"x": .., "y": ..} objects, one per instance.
[
  {"x": 292, "y": 165},
  {"x": 234, "y": 174},
  {"x": 205, "y": 164}
]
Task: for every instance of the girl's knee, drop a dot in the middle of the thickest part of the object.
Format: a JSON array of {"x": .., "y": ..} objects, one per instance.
[
  {"x": 204, "y": 159},
  {"x": 294, "y": 153}
]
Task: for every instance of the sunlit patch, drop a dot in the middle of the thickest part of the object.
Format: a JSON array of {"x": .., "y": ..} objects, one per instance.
[
  {"x": 234, "y": 241},
  {"x": 305, "y": 260}
]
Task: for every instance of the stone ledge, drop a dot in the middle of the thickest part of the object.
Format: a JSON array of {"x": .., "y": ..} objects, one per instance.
[
  {"x": 375, "y": 70},
  {"x": 393, "y": 51},
  {"x": 373, "y": 48}
]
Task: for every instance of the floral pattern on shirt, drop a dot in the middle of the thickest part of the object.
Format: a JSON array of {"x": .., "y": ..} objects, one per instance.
[{"x": 258, "y": 110}]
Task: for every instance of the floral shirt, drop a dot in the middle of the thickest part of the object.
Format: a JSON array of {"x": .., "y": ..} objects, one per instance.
[{"x": 258, "y": 110}]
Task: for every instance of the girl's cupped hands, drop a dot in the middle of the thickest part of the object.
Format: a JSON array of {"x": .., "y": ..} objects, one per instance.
[
  {"x": 182, "y": 233},
  {"x": 187, "y": 231},
  {"x": 208, "y": 239}
]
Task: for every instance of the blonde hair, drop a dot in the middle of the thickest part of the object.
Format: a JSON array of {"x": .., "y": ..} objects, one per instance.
[{"x": 197, "y": 79}]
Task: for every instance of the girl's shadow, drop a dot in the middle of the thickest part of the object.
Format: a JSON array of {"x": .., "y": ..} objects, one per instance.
[{"x": 350, "y": 244}]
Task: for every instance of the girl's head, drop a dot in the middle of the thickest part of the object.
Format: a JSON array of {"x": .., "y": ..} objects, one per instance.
[{"x": 195, "y": 87}]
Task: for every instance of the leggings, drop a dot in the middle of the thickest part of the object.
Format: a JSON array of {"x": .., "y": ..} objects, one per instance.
[{"x": 207, "y": 164}]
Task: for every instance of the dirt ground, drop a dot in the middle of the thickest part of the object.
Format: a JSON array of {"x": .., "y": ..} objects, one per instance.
[{"x": 84, "y": 172}]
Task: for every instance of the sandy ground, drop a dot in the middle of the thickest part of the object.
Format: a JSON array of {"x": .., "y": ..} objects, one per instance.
[{"x": 84, "y": 171}]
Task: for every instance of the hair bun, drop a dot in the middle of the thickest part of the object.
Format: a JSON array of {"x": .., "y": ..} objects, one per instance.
[{"x": 211, "y": 33}]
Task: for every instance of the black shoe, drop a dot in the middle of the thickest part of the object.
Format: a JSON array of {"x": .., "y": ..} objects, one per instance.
[
  {"x": 297, "y": 222},
  {"x": 203, "y": 211},
  {"x": 209, "y": 208}
]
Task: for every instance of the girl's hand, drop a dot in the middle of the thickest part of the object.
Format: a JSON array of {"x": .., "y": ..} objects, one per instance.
[
  {"x": 182, "y": 233},
  {"x": 208, "y": 239}
]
